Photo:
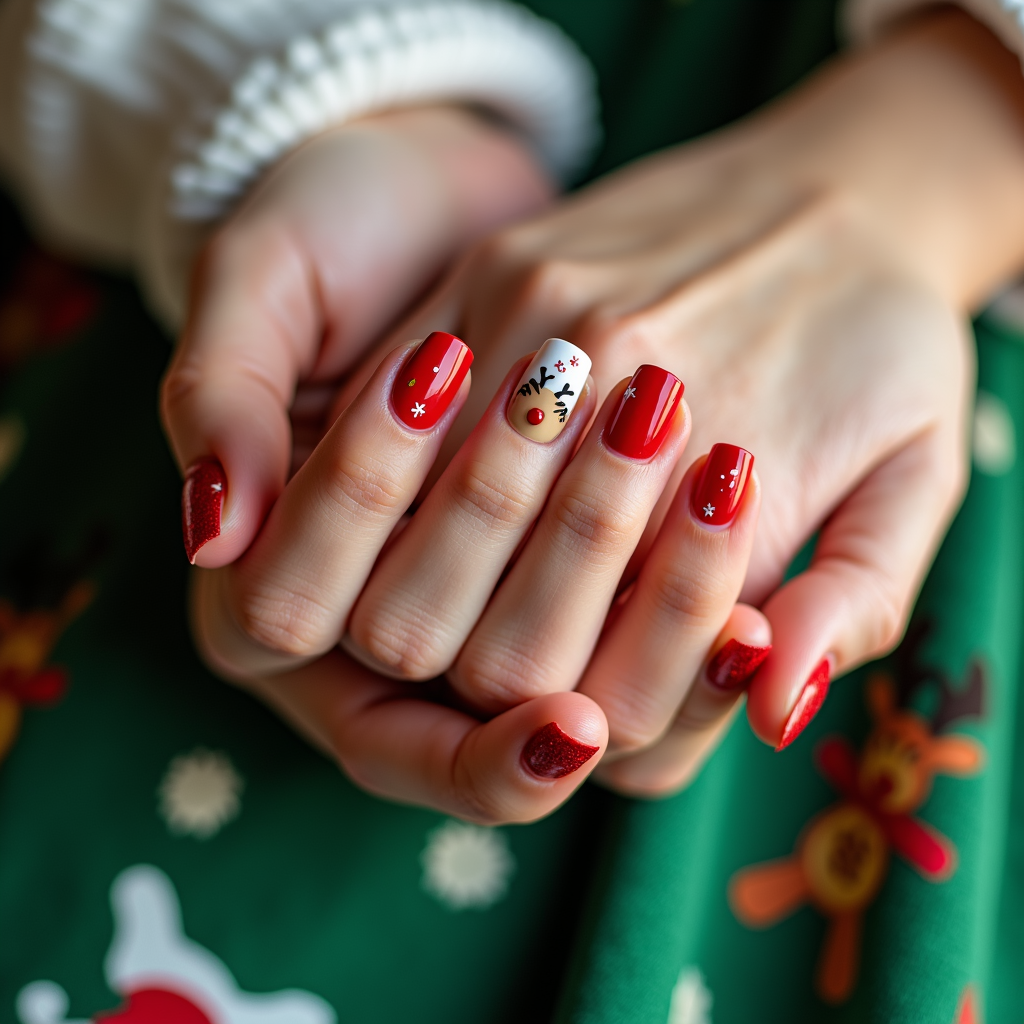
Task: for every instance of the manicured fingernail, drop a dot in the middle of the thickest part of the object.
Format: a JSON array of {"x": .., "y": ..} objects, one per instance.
[
  {"x": 734, "y": 665},
  {"x": 552, "y": 754},
  {"x": 644, "y": 416},
  {"x": 202, "y": 499},
  {"x": 717, "y": 494},
  {"x": 430, "y": 379},
  {"x": 548, "y": 391},
  {"x": 812, "y": 696}
]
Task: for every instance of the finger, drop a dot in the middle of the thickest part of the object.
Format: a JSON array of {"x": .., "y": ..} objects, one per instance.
[
  {"x": 517, "y": 767},
  {"x": 705, "y": 716},
  {"x": 537, "y": 634},
  {"x": 294, "y": 588},
  {"x": 427, "y": 593},
  {"x": 254, "y": 328},
  {"x": 649, "y": 657},
  {"x": 853, "y": 602}
]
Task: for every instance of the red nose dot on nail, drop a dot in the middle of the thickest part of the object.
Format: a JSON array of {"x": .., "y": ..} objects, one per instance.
[{"x": 535, "y": 416}]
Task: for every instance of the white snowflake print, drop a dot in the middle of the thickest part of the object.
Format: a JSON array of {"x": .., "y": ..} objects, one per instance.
[
  {"x": 630, "y": 393},
  {"x": 709, "y": 509},
  {"x": 466, "y": 867},
  {"x": 995, "y": 443},
  {"x": 419, "y": 409},
  {"x": 691, "y": 998},
  {"x": 200, "y": 793}
]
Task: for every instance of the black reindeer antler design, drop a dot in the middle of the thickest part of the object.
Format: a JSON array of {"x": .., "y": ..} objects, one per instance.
[{"x": 913, "y": 674}]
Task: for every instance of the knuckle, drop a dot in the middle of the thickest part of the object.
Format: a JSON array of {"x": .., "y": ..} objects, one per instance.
[
  {"x": 482, "y": 493},
  {"x": 594, "y": 525},
  {"x": 361, "y": 488},
  {"x": 686, "y": 593},
  {"x": 633, "y": 337},
  {"x": 285, "y": 621},
  {"x": 411, "y": 645},
  {"x": 498, "y": 677}
]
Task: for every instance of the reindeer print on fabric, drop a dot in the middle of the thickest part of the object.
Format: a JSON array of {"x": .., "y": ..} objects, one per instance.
[
  {"x": 549, "y": 390},
  {"x": 842, "y": 855},
  {"x": 164, "y": 977},
  {"x": 49, "y": 594}
]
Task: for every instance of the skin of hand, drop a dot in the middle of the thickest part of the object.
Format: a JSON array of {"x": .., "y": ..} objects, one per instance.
[
  {"x": 859, "y": 218},
  {"x": 807, "y": 273},
  {"x": 315, "y": 264}
]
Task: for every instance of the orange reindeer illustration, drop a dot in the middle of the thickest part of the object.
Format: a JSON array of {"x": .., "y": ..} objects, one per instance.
[
  {"x": 842, "y": 855},
  {"x": 27, "y": 637}
]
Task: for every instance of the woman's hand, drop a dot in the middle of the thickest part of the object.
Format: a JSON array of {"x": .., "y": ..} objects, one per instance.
[
  {"x": 806, "y": 273},
  {"x": 321, "y": 258},
  {"x": 571, "y": 523}
]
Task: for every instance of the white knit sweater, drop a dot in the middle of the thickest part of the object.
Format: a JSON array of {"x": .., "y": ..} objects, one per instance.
[{"x": 129, "y": 127}]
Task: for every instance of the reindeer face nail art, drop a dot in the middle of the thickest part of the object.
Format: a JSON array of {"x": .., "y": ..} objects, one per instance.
[{"x": 549, "y": 390}]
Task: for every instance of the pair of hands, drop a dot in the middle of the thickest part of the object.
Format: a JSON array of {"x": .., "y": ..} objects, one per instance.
[{"x": 803, "y": 332}]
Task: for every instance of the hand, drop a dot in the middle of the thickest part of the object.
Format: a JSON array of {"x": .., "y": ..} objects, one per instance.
[
  {"x": 288, "y": 597},
  {"x": 805, "y": 273},
  {"x": 319, "y": 259}
]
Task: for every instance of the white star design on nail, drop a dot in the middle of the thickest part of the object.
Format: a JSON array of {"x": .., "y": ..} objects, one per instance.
[
  {"x": 418, "y": 410},
  {"x": 217, "y": 487},
  {"x": 630, "y": 393},
  {"x": 709, "y": 509}
]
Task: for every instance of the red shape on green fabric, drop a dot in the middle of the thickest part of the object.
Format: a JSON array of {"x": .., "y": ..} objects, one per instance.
[
  {"x": 836, "y": 759},
  {"x": 927, "y": 850},
  {"x": 156, "y": 1006},
  {"x": 44, "y": 687}
]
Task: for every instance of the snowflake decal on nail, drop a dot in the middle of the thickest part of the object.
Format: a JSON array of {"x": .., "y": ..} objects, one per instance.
[
  {"x": 217, "y": 487},
  {"x": 560, "y": 366},
  {"x": 575, "y": 361},
  {"x": 630, "y": 393},
  {"x": 709, "y": 509},
  {"x": 418, "y": 410}
]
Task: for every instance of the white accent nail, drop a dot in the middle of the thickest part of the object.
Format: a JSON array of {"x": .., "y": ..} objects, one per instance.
[{"x": 549, "y": 390}]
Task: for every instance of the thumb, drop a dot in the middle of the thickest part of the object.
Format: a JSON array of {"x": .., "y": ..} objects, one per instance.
[{"x": 253, "y": 329}]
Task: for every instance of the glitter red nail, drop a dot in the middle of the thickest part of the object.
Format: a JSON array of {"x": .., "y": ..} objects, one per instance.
[
  {"x": 202, "y": 499},
  {"x": 430, "y": 379},
  {"x": 552, "y": 754},
  {"x": 812, "y": 696},
  {"x": 735, "y": 664},
  {"x": 717, "y": 494}
]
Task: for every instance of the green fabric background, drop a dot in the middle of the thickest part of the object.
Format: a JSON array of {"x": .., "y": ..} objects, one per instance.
[{"x": 318, "y": 886}]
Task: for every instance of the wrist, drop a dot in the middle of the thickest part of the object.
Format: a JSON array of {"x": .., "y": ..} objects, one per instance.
[{"x": 924, "y": 133}]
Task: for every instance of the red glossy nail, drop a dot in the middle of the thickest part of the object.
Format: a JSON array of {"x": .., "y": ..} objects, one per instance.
[
  {"x": 552, "y": 754},
  {"x": 812, "y": 696},
  {"x": 202, "y": 499},
  {"x": 717, "y": 493},
  {"x": 644, "y": 416},
  {"x": 430, "y": 379},
  {"x": 735, "y": 664}
]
